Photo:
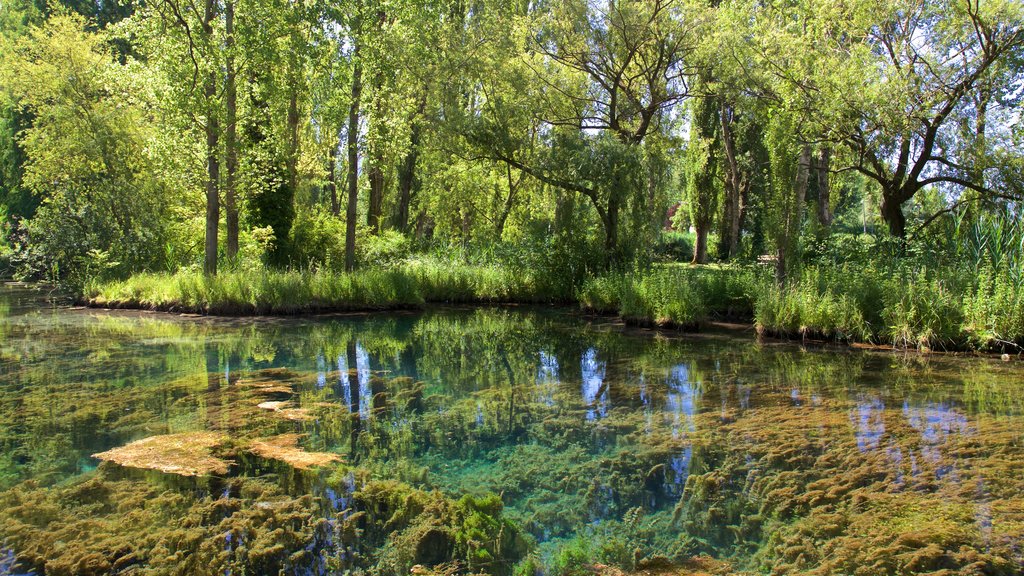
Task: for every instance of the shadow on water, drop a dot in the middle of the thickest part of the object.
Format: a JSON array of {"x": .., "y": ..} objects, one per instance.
[{"x": 479, "y": 439}]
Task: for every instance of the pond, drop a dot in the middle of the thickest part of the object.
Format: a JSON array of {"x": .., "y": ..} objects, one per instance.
[{"x": 491, "y": 441}]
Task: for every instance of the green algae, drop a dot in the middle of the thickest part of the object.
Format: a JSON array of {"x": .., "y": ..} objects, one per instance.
[
  {"x": 798, "y": 494},
  {"x": 187, "y": 454},
  {"x": 502, "y": 442}
]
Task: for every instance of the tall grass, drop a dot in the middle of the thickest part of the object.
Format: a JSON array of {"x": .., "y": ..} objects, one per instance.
[
  {"x": 262, "y": 291},
  {"x": 961, "y": 289},
  {"x": 678, "y": 296}
]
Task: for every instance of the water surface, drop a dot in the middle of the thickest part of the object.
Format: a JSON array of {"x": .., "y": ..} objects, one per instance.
[{"x": 498, "y": 438}]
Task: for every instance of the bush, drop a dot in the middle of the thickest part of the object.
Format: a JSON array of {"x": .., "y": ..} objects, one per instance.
[
  {"x": 674, "y": 247},
  {"x": 318, "y": 241},
  {"x": 994, "y": 313}
]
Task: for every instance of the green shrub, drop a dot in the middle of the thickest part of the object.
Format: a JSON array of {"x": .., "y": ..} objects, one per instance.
[{"x": 674, "y": 246}]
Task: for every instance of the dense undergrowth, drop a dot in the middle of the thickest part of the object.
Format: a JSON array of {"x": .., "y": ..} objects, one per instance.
[{"x": 962, "y": 290}]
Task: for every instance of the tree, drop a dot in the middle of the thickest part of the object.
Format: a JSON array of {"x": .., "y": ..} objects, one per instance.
[
  {"x": 894, "y": 83},
  {"x": 351, "y": 210},
  {"x": 702, "y": 177},
  {"x": 605, "y": 73},
  {"x": 103, "y": 203},
  {"x": 910, "y": 143}
]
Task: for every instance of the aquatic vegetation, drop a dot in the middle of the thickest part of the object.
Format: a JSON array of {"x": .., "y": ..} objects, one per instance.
[
  {"x": 500, "y": 442},
  {"x": 797, "y": 492},
  {"x": 286, "y": 449},
  {"x": 187, "y": 454}
]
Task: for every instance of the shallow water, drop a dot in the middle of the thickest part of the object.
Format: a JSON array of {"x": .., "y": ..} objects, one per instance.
[{"x": 606, "y": 446}]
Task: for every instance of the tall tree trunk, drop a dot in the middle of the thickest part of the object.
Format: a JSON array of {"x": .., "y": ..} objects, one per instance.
[
  {"x": 376, "y": 200},
  {"x": 332, "y": 178},
  {"x": 212, "y": 155},
  {"x": 702, "y": 164},
  {"x": 353, "y": 165},
  {"x": 407, "y": 171},
  {"x": 611, "y": 234},
  {"x": 733, "y": 181},
  {"x": 230, "y": 136},
  {"x": 513, "y": 187},
  {"x": 823, "y": 166},
  {"x": 293, "y": 125},
  {"x": 376, "y": 172},
  {"x": 794, "y": 217}
]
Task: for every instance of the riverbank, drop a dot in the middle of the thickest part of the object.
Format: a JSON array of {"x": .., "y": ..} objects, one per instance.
[
  {"x": 265, "y": 292},
  {"x": 926, "y": 311}
]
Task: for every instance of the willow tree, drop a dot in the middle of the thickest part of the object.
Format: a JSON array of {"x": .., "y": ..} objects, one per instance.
[
  {"x": 602, "y": 71},
  {"x": 702, "y": 163},
  {"x": 790, "y": 162},
  {"x": 903, "y": 86}
]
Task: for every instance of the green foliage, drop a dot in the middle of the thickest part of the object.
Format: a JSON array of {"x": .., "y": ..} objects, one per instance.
[
  {"x": 994, "y": 312},
  {"x": 270, "y": 203},
  {"x": 674, "y": 247},
  {"x": 860, "y": 289},
  {"x": 318, "y": 241},
  {"x": 387, "y": 248},
  {"x": 99, "y": 192},
  {"x": 263, "y": 291},
  {"x": 673, "y": 295}
]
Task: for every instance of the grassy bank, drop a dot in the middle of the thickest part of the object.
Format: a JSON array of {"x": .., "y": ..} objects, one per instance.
[
  {"x": 674, "y": 296},
  {"x": 934, "y": 309},
  {"x": 899, "y": 306},
  {"x": 263, "y": 291},
  {"x": 937, "y": 310}
]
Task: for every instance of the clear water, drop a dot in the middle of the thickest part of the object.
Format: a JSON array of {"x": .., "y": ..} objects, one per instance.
[{"x": 606, "y": 446}]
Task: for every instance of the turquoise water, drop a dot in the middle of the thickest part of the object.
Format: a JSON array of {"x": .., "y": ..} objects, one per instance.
[{"x": 496, "y": 441}]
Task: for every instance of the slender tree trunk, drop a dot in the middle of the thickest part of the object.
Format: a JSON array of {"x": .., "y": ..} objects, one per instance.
[
  {"x": 731, "y": 205},
  {"x": 376, "y": 200},
  {"x": 499, "y": 228},
  {"x": 293, "y": 126},
  {"x": 793, "y": 219},
  {"x": 212, "y": 155},
  {"x": 802, "y": 178},
  {"x": 611, "y": 234},
  {"x": 230, "y": 136},
  {"x": 332, "y": 179},
  {"x": 407, "y": 172},
  {"x": 823, "y": 167},
  {"x": 353, "y": 165},
  {"x": 376, "y": 172}
]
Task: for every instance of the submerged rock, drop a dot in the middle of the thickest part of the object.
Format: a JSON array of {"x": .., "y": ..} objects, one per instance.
[{"x": 185, "y": 454}]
